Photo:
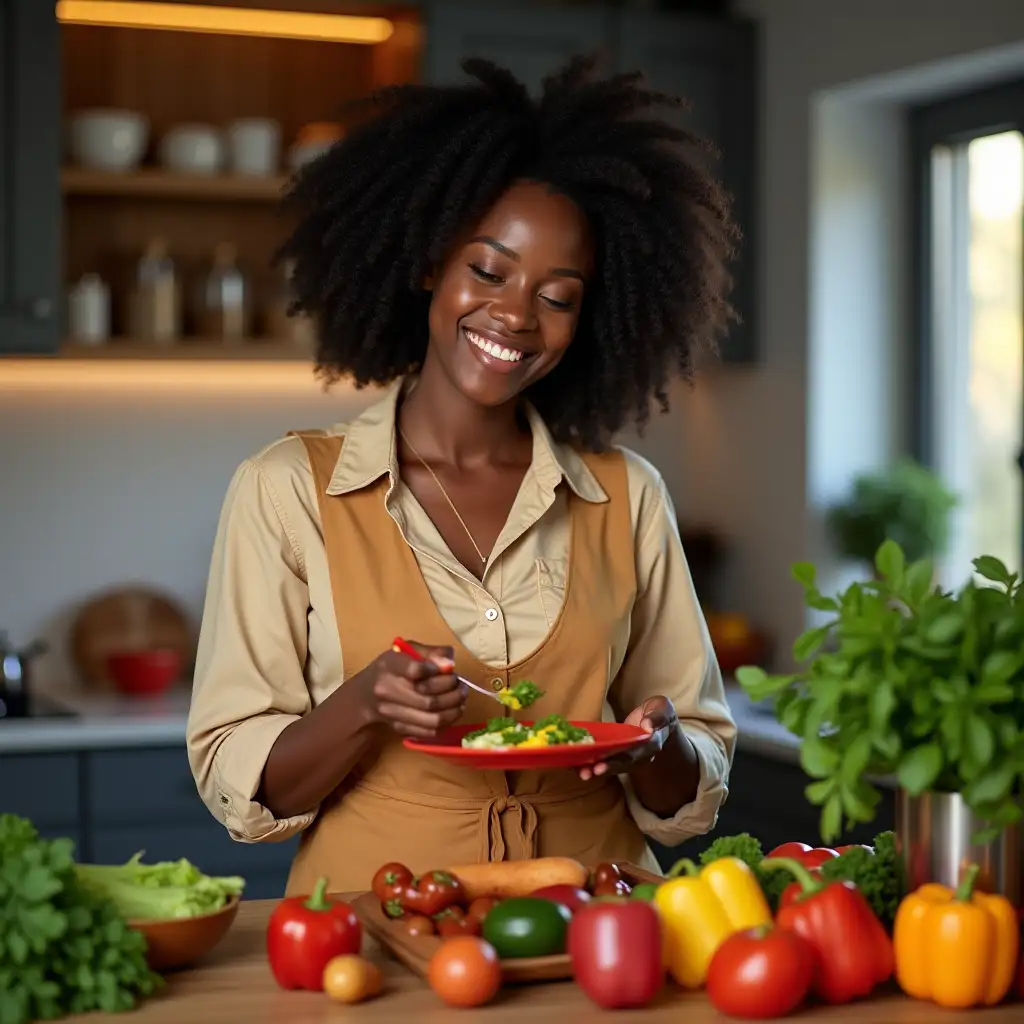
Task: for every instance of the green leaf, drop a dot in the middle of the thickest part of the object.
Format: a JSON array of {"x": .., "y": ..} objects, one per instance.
[
  {"x": 881, "y": 705},
  {"x": 999, "y": 667},
  {"x": 918, "y": 581},
  {"x": 990, "y": 786},
  {"x": 979, "y": 739},
  {"x": 832, "y": 818},
  {"x": 945, "y": 629},
  {"x": 818, "y": 792},
  {"x": 817, "y": 758},
  {"x": 855, "y": 758},
  {"x": 750, "y": 675},
  {"x": 804, "y": 573},
  {"x": 890, "y": 562},
  {"x": 991, "y": 568},
  {"x": 920, "y": 768},
  {"x": 808, "y": 643},
  {"x": 860, "y": 801}
]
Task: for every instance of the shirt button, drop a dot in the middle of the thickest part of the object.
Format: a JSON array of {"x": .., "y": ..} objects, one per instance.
[
  {"x": 497, "y": 683},
  {"x": 491, "y": 614}
]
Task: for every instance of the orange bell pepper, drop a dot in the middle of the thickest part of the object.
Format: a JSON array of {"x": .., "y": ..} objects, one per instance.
[{"x": 959, "y": 948}]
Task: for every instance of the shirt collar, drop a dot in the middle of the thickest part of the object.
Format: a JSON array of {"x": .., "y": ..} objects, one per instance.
[{"x": 370, "y": 451}]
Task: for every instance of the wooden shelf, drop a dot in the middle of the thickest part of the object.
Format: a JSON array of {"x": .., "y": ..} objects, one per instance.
[
  {"x": 190, "y": 349},
  {"x": 159, "y": 184}
]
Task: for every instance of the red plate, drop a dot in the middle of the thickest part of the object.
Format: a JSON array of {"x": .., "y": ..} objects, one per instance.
[{"x": 609, "y": 738}]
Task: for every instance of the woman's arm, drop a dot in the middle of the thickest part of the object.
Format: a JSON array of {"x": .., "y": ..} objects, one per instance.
[{"x": 678, "y": 794}]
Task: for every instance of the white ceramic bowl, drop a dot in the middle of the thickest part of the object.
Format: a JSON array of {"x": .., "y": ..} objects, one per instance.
[
  {"x": 193, "y": 149},
  {"x": 108, "y": 140}
]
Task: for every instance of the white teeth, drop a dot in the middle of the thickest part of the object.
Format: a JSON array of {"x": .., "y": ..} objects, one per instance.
[{"x": 509, "y": 355}]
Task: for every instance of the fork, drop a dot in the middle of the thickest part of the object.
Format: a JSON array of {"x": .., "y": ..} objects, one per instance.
[{"x": 400, "y": 646}]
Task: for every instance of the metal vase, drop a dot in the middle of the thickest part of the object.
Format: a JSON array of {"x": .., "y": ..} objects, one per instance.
[{"x": 935, "y": 832}]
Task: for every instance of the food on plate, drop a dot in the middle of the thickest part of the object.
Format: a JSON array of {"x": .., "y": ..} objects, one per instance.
[
  {"x": 854, "y": 952},
  {"x": 607, "y": 880},
  {"x": 526, "y": 927},
  {"x": 465, "y": 972},
  {"x": 616, "y": 953},
  {"x": 570, "y": 896},
  {"x": 156, "y": 892},
  {"x": 521, "y": 695},
  {"x": 428, "y": 895},
  {"x": 956, "y": 948},
  {"x": 702, "y": 908},
  {"x": 508, "y": 878},
  {"x": 809, "y": 856},
  {"x": 760, "y": 973},
  {"x": 351, "y": 979},
  {"x": 56, "y": 931},
  {"x": 507, "y": 733},
  {"x": 305, "y": 933}
]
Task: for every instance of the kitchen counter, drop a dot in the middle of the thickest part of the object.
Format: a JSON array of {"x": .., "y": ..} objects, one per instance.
[
  {"x": 234, "y": 984},
  {"x": 108, "y": 721}
]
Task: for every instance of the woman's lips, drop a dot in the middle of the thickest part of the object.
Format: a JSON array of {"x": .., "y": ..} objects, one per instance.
[{"x": 494, "y": 355}]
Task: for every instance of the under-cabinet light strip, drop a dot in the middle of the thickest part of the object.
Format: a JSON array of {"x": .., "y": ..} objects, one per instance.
[{"x": 235, "y": 21}]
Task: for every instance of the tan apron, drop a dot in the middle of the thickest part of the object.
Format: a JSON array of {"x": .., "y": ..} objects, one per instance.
[{"x": 398, "y": 805}]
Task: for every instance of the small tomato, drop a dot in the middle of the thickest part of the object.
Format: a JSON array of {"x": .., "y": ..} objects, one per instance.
[
  {"x": 760, "y": 973},
  {"x": 351, "y": 979},
  {"x": 481, "y": 907},
  {"x": 417, "y": 925},
  {"x": 391, "y": 881},
  {"x": 465, "y": 972},
  {"x": 568, "y": 895}
]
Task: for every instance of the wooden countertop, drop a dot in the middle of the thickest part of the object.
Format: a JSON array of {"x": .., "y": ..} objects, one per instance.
[{"x": 234, "y": 984}]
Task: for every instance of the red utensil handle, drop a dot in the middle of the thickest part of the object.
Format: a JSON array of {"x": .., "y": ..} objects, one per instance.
[{"x": 401, "y": 647}]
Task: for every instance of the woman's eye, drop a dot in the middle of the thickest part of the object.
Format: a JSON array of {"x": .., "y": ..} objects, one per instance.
[
  {"x": 558, "y": 304},
  {"x": 484, "y": 275}
]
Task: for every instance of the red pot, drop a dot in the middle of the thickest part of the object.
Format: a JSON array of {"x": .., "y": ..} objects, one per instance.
[{"x": 144, "y": 673}]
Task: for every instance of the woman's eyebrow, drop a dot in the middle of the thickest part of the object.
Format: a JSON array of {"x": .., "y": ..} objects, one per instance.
[{"x": 513, "y": 255}]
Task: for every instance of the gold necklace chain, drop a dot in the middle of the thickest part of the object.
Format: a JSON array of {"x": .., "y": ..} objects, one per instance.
[{"x": 440, "y": 487}]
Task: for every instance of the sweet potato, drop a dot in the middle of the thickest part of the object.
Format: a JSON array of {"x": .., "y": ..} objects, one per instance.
[{"x": 511, "y": 878}]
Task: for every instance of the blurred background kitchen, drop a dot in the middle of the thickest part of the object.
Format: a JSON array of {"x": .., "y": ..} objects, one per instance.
[{"x": 876, "y": 157}]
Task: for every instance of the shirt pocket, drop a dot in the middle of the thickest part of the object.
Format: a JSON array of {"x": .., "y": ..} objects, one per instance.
[{"x": 551, "y": 576}]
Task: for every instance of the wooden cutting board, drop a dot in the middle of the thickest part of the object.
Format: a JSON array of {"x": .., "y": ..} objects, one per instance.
[{"x": 416, "y": 951}]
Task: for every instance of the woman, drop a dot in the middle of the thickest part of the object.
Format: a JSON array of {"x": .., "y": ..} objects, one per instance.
[{"x": 523, "y": 277}]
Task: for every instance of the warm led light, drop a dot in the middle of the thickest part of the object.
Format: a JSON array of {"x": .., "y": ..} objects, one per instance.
[{"x": 232, "y": 21}]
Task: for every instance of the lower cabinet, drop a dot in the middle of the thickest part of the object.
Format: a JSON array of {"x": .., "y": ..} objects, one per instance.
[{"x": 114, "y": 803}]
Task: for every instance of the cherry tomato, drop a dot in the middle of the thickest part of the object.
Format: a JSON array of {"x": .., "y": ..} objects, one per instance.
[
  {"x": 760, "y": 973},
  {"x": 604, "y": 874},
  {"x": 455, "y": 921},
  {"x": 610, "y": 887},
  {"x": 481, "y": 907},
  {"x": 351, "y": 979},
  {"x": 391, "y": 881},
  {"x": 568, "y": 895},
  {"x": 433, "y": 892},
  {"x": 465, "y": 972},
  {"x": 417, "y": 924}
]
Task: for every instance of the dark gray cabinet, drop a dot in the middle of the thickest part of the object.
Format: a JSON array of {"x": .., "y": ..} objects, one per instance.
[
  {"x": 30, "y": 144},
  {"x": 710, "y": 62}
]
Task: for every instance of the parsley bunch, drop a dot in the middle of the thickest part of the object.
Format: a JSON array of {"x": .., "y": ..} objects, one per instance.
[{"x": 63, "y": 948}]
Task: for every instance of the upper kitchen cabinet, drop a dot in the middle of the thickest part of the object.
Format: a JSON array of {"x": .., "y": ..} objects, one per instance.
[
  {"x": 711, "y": 64},
  {"x": 29, "y": 192},
  {"x": 530, "y": 41}
]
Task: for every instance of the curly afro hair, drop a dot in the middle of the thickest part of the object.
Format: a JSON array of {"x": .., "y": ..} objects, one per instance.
[{"x": 381, "y": 208}]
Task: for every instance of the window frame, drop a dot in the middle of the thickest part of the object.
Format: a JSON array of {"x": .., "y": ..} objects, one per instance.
[{"x": 956, "y": 120}]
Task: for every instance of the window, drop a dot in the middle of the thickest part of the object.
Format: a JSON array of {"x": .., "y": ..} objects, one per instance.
[{"x": 969, "y": 174}]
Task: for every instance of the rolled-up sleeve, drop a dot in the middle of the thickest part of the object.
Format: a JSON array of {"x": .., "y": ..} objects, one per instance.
[
  {"x": 249, "y": 684},
  {"x": 670, "y": 653}
]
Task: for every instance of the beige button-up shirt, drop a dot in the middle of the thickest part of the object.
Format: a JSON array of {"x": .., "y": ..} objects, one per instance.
[{"x": 269, "y": 648}]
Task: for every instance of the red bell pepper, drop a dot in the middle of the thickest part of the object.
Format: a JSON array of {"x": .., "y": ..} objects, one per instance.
[
  {"x": 854, "y": 951},
  {"x": 305, "y": 933},
  {"x": 616, "y": 953},
  {"x": 809, "y": 856}
]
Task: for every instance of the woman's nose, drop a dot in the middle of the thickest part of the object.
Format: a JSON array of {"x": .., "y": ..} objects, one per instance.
[{"x": 514, "y": 312}]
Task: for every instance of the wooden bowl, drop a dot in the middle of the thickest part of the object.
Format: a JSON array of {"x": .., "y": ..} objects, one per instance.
[{"x": 179, "y": 941}]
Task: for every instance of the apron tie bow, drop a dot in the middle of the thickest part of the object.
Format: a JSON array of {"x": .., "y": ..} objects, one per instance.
[{"x": 508, "y": 825}]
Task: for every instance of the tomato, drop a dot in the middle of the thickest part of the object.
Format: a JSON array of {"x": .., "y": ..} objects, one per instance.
[
  {"x": 391, "y": 881},
  {"x": 351, "y": 979},
  {"x": 568, "y": 895},
  {"x": 613, "y": 887},
  {"x": 430, "y": 894},
  {"x": 855, "y": 846},
  {"x": 527, "y": 926},
  {"x": 760, "y": 973},
  {"x": 455, "y": 921},
  {"x": 810, "y": 857},
  {"x": 465, "y": 972},
  {"x": 481, "y": 907},
  {"x": 604, "y": 875},
  {"x": 417, "y": 924}
]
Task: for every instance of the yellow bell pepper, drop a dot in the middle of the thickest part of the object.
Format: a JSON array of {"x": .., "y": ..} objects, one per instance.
[
  {"x": 956, "y": 948},
  {"x": 701, "y": 909}
]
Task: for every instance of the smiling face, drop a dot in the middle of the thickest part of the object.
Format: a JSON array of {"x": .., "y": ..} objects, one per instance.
[{"x": 507, "y": 300}]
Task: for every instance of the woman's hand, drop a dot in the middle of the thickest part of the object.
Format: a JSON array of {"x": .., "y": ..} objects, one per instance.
[
  {"x": 412, "y": 698},
  {"x": 656, "y": 716}
]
